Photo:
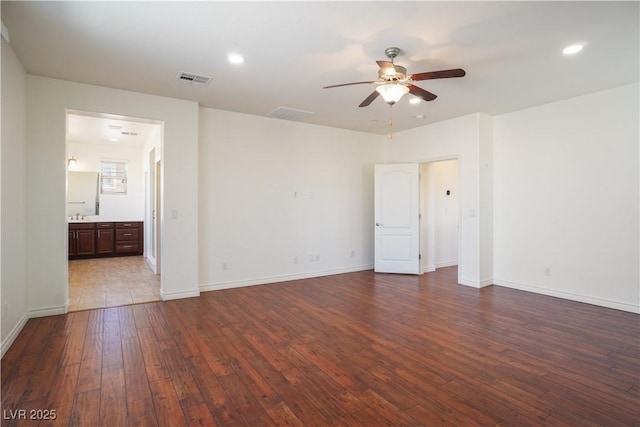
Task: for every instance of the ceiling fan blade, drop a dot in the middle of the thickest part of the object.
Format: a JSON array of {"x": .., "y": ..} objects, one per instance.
[
  {"x": 443, "y": 74},
  {"x": 348, "y": 84},
  {"x": 369, "y": 99},
  {"x": 421, "y": 93},
  {"x": 387, "y": 68}
]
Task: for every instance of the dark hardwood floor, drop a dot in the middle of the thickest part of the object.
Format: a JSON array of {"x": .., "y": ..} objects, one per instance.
[{"x": 359, "y": 349}]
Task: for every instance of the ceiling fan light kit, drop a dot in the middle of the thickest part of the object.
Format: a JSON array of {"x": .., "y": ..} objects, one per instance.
[{"x": 392, "y": 92}]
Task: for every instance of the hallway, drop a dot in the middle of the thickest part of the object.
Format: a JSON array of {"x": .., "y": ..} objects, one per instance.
[{"x": 111, "y": 282}]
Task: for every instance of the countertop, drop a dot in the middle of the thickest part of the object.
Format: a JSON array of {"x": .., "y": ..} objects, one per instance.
[{"x": 90, "y": 219}]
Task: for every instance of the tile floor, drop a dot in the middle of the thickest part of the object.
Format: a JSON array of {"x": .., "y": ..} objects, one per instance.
[{"x": 110, "y": 282}]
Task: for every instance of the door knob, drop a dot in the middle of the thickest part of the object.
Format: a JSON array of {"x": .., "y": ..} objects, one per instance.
[{"x": 378, "y": 224}]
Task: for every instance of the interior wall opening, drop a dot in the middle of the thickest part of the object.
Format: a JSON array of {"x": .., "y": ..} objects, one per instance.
[
  {"x": 440, "y": 214},
  {"x": 114, "y": 220}
]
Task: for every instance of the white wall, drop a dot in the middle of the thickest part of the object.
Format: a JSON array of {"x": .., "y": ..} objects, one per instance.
[
  {"x": 13, "y": 211},
  {"x": 47, "y": 104},
  {"x": 461, "y": 138},
  {"x": 567, "y": 197},
  {"x": 440, "y": 214},
  {"x": 128, "y": 207},
  {"x": 273, "y": 191}
]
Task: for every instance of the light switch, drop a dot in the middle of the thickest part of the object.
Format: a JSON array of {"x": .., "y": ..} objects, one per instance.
[{"x": 174, "y": 214}]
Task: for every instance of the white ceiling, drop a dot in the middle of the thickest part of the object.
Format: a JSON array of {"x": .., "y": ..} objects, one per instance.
[
  {"x": 511, "y": 52},
  {"x": 86, "y": 128}
]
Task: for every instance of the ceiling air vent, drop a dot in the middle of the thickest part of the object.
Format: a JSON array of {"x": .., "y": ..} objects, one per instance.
[
  {"x": 285, "y": 113},
  {"x": 195, "y": 79},
  {"x": 124, "y": 132}
]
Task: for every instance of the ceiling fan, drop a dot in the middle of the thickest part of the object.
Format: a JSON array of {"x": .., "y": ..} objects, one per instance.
[{"x": 394, "y": 82}]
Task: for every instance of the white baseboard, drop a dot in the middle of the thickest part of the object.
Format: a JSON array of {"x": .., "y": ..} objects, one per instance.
[
  {"x": 167, "y": 296},
  {"x": 433, "y": 267},
  {"x": 31, "y": 314},
  {"x": 6, "y": 343},
  {"x": 281, "y": 278},
  {"x": 470, "y": 283},
  {"x": 428, "y": 268},
  {"x": 152, "y": 264},
  {"x": 446, "y": 264},
  {"x": 571, "y": 296},
  {"x": 49, "y": 311}
]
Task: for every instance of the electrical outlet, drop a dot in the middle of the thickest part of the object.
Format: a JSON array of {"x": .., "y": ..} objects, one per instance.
[
  {"x": 317, "y": 257},
  {"x": 547, "y": 271},
  {"x": 295, "y": 260},
  {"x": 353, "y": 254},
  {"x": 225, "y": 266}
]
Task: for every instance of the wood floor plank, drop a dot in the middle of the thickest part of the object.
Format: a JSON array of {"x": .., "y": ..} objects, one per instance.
[
  {"x": 86, "y": 409},
  {"x": 142, "y": 412},
  {"x": 17, "y": 350},
  {"x": 168, "y": 410},
  {"x": 220, "y": 405},
  {"x": 90, "y": 374},
  {"x": 356, "y": 349},
  {"x": 113, "y": 397},
  {"x": 154, "y": 363},
  {"x": 41, "y": 380},
  {"x": 62, "y": 394}
]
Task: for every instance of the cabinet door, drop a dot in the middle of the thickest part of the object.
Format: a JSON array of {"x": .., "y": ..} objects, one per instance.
[
  {"x": 72, "y": 243},
  {"x": 86, "y": 242},
  {"x": 106, "y": 241}
]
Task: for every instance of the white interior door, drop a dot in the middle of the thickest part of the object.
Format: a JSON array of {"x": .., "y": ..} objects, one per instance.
[{"x": 397, "y": 225}]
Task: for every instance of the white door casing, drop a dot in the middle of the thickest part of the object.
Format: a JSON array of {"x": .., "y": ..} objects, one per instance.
[{"x": 396, "y": 217}]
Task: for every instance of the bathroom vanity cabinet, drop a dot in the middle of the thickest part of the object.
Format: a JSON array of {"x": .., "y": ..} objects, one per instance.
[
  {"x": 82, "y": 239},
  {"x": 105, "y": 239}
]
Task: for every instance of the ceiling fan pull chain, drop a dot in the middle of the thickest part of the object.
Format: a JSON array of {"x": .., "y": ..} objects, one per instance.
[{"x": 390, "y": 121}]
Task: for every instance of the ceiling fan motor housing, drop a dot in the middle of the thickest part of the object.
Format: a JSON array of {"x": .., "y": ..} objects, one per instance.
[{"x": 399, "y": 75}]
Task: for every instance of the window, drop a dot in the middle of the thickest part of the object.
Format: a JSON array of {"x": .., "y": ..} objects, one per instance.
[{"x": 113, "y": 177}]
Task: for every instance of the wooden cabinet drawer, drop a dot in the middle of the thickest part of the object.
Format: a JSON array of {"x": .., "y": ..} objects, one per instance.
[
  {"x": 127, "y": 247},
  {"x": 127, "y": 234},
  {"x": 104, "y": 225},
  {"x": 128, "y": 225},
  {"x": 81, "y": 226}
]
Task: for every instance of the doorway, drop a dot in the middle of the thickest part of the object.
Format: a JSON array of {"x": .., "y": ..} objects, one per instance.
[
  {"x": 417, "y": 215},
  {"x": 440, "y": 218},
  {"x": 94, "y": 139}
]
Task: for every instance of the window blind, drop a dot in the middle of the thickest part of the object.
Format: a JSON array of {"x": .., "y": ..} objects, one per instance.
[{"x": 113, "y": 177}]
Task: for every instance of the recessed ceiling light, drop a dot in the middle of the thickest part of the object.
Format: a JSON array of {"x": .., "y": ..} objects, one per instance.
[
  {"x": 574, "y": 48},
  {"x": 234, "y": 58},
  {"x": 414, "y": 100}
]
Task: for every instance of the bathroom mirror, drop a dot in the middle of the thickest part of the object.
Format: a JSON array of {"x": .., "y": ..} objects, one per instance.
[{"x": 82, "y": 194}]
